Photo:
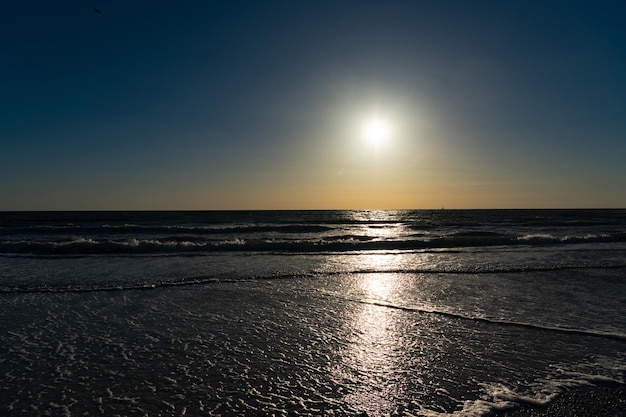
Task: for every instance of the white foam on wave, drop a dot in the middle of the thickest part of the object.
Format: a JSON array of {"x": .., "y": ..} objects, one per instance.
[
  {"x": 602, "y": 369},
  {"x": 498, "y": 396},
  {"x": 475, "y": 408},
  {"x": 569, "y": 238},
  {"x": 495, "y": 397}
]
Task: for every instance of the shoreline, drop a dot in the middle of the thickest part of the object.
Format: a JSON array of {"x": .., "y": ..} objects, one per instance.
[{"x": 601, "y": 399}]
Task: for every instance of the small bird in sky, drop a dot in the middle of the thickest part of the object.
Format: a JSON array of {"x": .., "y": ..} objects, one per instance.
[{"x": 97, "y": 10}]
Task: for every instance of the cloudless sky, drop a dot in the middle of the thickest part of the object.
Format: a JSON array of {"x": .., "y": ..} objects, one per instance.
[{"x": 262, "y": 104}]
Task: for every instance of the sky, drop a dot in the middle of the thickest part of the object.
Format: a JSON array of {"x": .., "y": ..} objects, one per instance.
[{"x": 207, "y": 105}]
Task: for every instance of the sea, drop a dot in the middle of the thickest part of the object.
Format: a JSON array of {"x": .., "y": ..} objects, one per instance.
[{"x": 308, "y": 313}]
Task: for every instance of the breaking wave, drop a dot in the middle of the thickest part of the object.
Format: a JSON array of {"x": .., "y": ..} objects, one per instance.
[{"x": 336, "y": 243}]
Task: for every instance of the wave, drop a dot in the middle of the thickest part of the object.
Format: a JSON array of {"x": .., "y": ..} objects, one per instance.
[
  {"x": 556, "y": 329},
  {"x": 144, "y": 285},
  {"x": 167, "y": 229},
  {"x": 198, "y": 280},
  {"x": 482, "y": 269},
  {"x": 107, "y": 286},
  {"x": 191, "y": 281},
  {"x": 186, "y": 243}
]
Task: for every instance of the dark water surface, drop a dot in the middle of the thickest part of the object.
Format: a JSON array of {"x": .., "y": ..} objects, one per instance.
[{"x": 431, "y": 313}]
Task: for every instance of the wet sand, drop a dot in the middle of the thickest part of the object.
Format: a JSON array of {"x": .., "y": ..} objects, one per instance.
[{"x": 605, "y": 400}]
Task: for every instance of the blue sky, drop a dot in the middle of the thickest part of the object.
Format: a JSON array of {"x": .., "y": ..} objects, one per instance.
[{"x": 246, "y": 105}]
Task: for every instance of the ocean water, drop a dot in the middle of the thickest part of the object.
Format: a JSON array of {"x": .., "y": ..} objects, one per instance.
[{"x": 341, "y": 313}]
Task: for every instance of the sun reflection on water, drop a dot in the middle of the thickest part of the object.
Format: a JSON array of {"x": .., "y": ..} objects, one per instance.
[
  {"x": 386, "y": 356},
  {"x": 373, "y": 360},
  {"x": 373, "y": 352},
  {"x": 377, "y": 286},
  {"x": 382, "y": 357}
]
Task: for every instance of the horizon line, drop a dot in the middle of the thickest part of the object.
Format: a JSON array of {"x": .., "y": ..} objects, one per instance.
[{"x": 305, "y": 209}]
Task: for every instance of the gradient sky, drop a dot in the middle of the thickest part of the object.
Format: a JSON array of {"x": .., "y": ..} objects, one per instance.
[{"x": 261, "y": 104}]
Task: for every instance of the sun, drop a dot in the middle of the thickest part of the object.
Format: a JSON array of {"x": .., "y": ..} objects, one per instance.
[{"x": 376, "y": 131}]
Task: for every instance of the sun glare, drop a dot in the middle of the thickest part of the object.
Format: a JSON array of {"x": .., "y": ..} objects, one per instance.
[{"x": 376, "y": 131}]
